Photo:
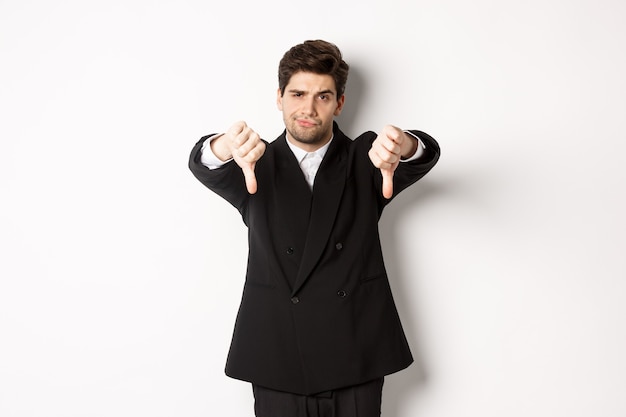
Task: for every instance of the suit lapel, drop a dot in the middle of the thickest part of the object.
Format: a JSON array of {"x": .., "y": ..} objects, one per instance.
[
  {"x": 291, "y": 188},
  {"x": 292, "y": 205},
  {"x": 328, "y": 189}
]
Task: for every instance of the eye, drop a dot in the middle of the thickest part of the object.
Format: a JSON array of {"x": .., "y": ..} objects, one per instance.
[{"x": 323, "y": 97}]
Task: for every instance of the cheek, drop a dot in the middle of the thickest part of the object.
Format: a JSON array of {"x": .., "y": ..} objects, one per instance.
[{"x": 288, "y": 108}]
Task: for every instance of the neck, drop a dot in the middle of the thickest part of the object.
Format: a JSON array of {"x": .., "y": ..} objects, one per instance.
[{"x": 308, "y": 147}]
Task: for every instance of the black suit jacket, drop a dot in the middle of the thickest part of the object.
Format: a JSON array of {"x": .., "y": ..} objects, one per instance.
[{"x": 317, "y": 311}]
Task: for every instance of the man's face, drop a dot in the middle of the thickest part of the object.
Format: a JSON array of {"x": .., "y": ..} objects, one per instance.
[{"x": 309, "y": 106}]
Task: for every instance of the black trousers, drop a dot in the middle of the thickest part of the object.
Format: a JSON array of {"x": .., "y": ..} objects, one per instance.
[{"x": 356, "y": 401}]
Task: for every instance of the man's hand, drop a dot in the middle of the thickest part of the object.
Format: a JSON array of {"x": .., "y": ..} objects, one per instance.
[
  {"x": 387, "y": 149},
  {"x": 243, "y": 145}
]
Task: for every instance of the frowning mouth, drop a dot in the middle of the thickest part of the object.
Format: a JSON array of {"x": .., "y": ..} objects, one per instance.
[{"x": 306, "y": 122}]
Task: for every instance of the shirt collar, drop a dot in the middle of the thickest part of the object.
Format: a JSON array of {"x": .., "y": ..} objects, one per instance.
[{"x": 300, "y": 153}]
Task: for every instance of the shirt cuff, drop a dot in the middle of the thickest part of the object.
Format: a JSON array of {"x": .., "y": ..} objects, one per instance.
[
  {"x": 207, "y": 157},
  {"x": 418, "y": 152}
]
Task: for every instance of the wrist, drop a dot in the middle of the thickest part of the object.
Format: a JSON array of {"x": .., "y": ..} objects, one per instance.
[
  {"x": 220, "y": 148},
  {"x": 409, "y": 146}
]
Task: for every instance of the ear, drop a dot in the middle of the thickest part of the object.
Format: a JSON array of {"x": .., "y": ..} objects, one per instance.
[
  {"x": 340, "y": 103},
  {"x": 279, "y": 100}
]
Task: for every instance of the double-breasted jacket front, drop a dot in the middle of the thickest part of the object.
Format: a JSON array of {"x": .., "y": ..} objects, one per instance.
[{"x": 317, "y": 312}]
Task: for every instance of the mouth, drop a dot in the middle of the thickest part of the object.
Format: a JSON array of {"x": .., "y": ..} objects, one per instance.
[{"x": 306, "y": 122}]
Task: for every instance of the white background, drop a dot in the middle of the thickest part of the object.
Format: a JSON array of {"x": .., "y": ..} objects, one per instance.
[{"x": 120, "y": 275}]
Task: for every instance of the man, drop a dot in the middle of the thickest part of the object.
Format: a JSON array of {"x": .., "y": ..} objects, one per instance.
[{"x": 317, "y": 328}]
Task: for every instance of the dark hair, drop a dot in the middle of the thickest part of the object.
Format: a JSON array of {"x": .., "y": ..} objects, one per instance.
[{"x": 316, "y": 56}]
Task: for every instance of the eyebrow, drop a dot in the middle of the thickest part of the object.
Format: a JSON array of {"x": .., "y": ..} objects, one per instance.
[{"x": 295, "y": 90}]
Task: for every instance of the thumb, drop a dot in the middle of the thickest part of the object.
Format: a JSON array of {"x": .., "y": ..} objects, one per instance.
[
  {"x": 248, "y": 173},
  {"x": 387, "y": 182}
]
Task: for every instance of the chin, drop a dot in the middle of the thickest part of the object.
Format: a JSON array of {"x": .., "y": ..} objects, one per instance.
[{"x": 304, "y": 138}]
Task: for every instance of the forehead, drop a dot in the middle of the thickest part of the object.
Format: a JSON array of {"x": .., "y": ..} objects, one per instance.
[{"x": 309, "y": 81}]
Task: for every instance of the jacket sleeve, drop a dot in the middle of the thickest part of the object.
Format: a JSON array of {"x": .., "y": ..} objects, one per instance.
[{"x": 227, "y": 181}]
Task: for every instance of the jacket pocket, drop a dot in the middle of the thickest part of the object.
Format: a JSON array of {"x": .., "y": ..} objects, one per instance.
[{"x": 373, "y": 277}]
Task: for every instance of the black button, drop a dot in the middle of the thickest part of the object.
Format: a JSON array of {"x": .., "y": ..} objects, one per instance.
[
  {"x": 342, "y": 293},
  {"x": 339, "y": 246},
  {"x": 295, "y": 300},
  {"x": 289, "y": 251}
]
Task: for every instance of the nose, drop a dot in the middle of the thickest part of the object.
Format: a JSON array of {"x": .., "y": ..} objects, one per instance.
[{"x": 308, "y": 106}]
